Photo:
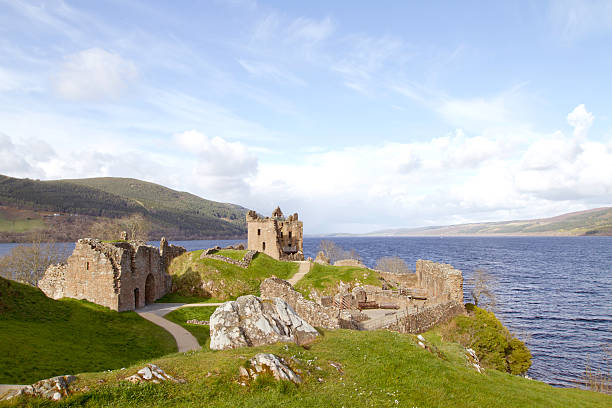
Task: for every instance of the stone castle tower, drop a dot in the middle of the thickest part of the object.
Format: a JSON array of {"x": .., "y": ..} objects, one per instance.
[{"x": 279, "y": 237}]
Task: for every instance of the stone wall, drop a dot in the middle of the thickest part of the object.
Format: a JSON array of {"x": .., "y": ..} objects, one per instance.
[
  {"x": 118, "y": 275},
  {"x": 442, "y": 282},
  {"x": 350, "y": 262},
  {"x": 243, "y": 263},
  {"x": 315, "y": 314},
  {"x": 425, "y": 319},
  {"x": 406, "y": 280}
]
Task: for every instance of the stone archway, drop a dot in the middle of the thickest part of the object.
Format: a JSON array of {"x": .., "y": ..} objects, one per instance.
[{"x": 149, "y": 289}]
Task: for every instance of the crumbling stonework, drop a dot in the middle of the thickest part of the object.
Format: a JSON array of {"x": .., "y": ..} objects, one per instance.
[
  {"x": 442, "y": 282},
  {"x": 119, "y": 275},
  {"x": 315, "y": 314},
  {"x": 279, "y": 237},
  {"x": 350, "y": 262},
  {"x": 425, "y": 319},
  {"x": 243, "y": 263}
]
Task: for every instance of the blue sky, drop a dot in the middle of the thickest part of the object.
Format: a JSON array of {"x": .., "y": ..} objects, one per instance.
[{"x": 358, "y": 115}]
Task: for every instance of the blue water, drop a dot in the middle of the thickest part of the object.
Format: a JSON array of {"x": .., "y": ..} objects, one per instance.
[{"x": 555, "y": 293}]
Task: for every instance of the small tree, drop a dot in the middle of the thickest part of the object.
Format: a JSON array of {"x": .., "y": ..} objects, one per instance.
[
  {"x": 27, "y": 263},
  {"x": 392, "y": 264},
  {"x": 136, "y": 225},
  {"x": 483, "y": 289},
  {"x": 335, "y": 253}
]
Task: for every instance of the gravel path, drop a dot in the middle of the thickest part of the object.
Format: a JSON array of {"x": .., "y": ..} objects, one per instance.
[
  {"x": 303, "y": 270},
  {"x": 154, "y": 313}
]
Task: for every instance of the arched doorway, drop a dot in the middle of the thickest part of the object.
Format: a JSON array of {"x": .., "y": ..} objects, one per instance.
[{"x": 149, "y": 289}]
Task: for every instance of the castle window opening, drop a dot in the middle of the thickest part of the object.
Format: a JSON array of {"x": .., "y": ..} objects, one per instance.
[
  {"x": 281, "y": 234},
  {"x": 289, "y": 234},
  {"x": 263, "y": 245},
  {"x": 87, "y": 266},
  {"x": 258, "y": 231}
]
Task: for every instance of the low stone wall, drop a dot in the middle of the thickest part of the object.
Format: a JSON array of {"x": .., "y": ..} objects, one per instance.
[
  {"x": 315, "y": 314},
  {"x": 407, "y": 280},
  {"x": 243, "y": 263},
  {"x": 350, "y": 262},
  {"x": 425, "y": 319}
]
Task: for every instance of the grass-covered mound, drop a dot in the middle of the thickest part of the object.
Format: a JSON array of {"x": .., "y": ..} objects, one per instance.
[
  {"x": 195, "y": 278},
  {"x": 325, "y": 278},
  {"x": 495, "y": 346},
  {"x": 375, "y": 369},
  {"x": 42, "y": 337},
  {"x": 201, "y": 332}
]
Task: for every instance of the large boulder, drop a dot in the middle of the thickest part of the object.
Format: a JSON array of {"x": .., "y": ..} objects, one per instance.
[
  {"x": 251, "y": 321},
  {"x": 315, "y": 314}
]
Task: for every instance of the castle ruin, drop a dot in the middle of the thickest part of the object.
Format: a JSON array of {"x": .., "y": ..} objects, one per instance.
[
  {"x": 279, "y": 237},
  {"x": 120, "y": 275}
]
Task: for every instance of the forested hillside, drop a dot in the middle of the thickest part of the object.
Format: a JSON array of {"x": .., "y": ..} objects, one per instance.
[{"x": 65, "y": 208}]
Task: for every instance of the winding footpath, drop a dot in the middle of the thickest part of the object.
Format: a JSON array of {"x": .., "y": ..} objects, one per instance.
[
  {"x": 303, "y": 270},
  {"x": 155, "y": 313}
]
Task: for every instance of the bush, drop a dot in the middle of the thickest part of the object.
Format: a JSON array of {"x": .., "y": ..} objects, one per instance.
[
  {"x": 495, "y": 346},
  {"x": 392, "y": 264}
]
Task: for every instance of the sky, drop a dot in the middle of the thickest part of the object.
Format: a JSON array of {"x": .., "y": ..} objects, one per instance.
[{"x": 358, "y": 115}]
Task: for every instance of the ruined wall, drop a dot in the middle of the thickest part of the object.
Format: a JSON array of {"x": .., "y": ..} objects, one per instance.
[
  {"x": 53, "y": 281},
  {"x": 404, "y": 280},
  {"x": 425, "y": 319},
  {"x": 118, "y": 275},
  {"x": 350, "y": 262},
  {"x": 276, "y": 236},
  {"x": 315, "y": 314},
  {"x": 442, "y": 282}
]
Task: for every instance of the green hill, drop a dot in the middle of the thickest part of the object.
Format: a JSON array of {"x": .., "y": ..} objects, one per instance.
[
  {"x": 42, "y": 337},
  {"x": 60, "y": 203},
  {"x": 597, "y": 221}
]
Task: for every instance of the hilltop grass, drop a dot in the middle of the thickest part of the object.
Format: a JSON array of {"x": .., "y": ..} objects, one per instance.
[
  {"x": 235, "y": 254},
  {"x": 378, "y": 369},
  {"x": 174, "y": 297},
  {"x": 42, "y": 337},
  {"x": 201, "y": 332},
  {"x": 325, "y": 278},
  {"x": 227, "y": 281}
]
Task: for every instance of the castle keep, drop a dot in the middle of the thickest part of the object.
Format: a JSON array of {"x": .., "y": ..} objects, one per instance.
[
  {"x": 119, "y": 275},
  {"x": 279, "y": 237}
]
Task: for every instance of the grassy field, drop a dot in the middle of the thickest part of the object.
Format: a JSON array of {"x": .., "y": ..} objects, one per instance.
[
  {"x": 377, "y": 369},
  {"x": 231, "y": 253},
  {"x": 41, "y": 337},
  {"x": 201, "y": 332},
  {"x": 228, "y": 281},
  {"x": 325, "y": 278}
]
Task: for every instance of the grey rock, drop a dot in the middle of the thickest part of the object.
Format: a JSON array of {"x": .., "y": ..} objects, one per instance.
[
  {"x": 252, "y": 321},
  {"x": 269, "y": 363}
]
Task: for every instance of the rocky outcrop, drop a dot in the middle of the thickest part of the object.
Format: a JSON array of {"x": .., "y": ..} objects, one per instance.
[
  {"x": 252, "y": 321},
  {"x": 315, "y": 314},
  {"x": 54, "y": 388},
  {"x": 152, "y": 373},
  {"x": 265, "y": 363}
]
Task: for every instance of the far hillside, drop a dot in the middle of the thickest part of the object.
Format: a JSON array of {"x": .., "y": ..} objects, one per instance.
[
  {"x": 64, "y": 209},
  {"x": 597, "y": 221}
]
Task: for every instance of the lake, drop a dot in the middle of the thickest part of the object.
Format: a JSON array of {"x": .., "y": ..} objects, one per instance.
[{"x": 555, "y": 293}]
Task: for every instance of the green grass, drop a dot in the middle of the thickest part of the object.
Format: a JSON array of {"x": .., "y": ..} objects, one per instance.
[
  {"x": 325, "y": 278},
  {"x": 227, "y": 281},
  {"x": 201, "y": 332},
  {"x": 231, "y": 253},
  {"x": 379, "y": 369},
  {"x": 20, "y": 225},
  {"x": 174, "y": 297},
  {"x": 41, "y": 337}
]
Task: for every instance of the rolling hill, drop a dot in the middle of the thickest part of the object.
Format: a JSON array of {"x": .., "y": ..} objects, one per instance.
[
  {"x": 64, "y": 209},
  {"x": 597, "y": 221}
]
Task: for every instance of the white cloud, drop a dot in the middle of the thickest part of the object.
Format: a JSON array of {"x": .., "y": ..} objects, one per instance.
[
  {"x": 310, "y": 30},
  {"x": 575, "y": 20},
  {"x": 220, "y": 165},
  {"x": 581, "y": 120},
  {"x": 266, "y": 70},
  {"x": 94, "y": 74}
]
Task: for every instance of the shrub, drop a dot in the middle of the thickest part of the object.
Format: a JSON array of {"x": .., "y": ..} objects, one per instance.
[
  {"x": 495, "y": 346},
  {"x": 392, "y": 264}
]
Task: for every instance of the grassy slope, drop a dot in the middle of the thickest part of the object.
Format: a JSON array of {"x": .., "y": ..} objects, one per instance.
[
  {"x": 41, "y": 337},
  {"x": 201, "y": 332},
  {"x": 230, "y": 281},
  {"x": 173, "y": 213},
  {"x": 379, "y": 369},
  {"x": 592, "y": 222},
  {"x": 325, "y": 278}
]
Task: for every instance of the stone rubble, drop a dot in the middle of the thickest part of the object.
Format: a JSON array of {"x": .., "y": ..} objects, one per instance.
[
  {"x": 473, "y": 360},
  {"x": 264, "y": 363},
  {"x": 252, "y": 321},
  {"x": 151, "y": 373},
  {"x": 54, "y": 388},
  {"x": 196, "y": 321}
]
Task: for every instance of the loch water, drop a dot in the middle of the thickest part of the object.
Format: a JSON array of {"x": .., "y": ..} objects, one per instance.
[{"x": 555, "y": 293}]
